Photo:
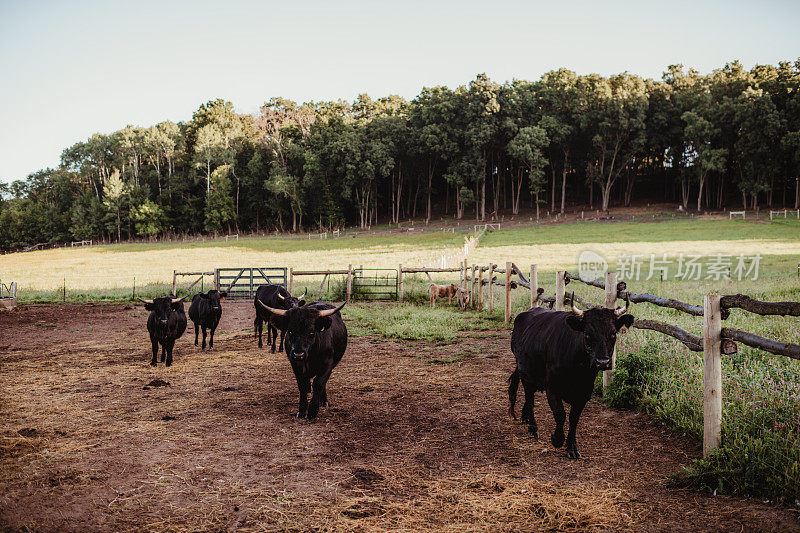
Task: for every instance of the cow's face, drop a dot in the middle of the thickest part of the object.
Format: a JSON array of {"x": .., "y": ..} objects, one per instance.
[
  {"x": 161, "y": 308},
  {"x": 287, "y": 301},
  {"x": 599, "y": 327},
  {"x": 303, "y": 327},
  {"x": 214, "y": 298}
]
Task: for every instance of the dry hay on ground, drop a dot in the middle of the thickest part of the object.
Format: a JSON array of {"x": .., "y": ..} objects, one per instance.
[{"x": 90, "y": 443}]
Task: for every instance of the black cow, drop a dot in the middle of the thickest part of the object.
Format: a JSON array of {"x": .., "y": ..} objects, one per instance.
[
  {"x": 205, "y": 311},
  {"x": 166, "y": 323},
  {"x": 561, "y": 352},
  {"x": 277, "y": 297},
  {"x": 316, "y": 339}
]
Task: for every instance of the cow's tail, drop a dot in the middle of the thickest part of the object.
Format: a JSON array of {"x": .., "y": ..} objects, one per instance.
[{"x": 513, "y": 386}]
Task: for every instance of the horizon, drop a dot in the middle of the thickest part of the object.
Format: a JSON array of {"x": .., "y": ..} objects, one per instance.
[{"x": 91, "y": 68}]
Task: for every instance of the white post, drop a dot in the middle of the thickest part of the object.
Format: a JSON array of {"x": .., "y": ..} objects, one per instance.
[{"x": 712, "y": 373}]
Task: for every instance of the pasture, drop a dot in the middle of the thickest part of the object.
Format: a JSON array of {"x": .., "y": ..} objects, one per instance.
[{"x": 417, "y": 435}]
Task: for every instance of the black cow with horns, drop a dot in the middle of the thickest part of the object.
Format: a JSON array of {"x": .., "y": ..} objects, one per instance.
[
  {"x": 276, "y": 297},
  {"x": 166, "y": 324},
  {"x": 206, "y": 311},
  {"x": 561, "y": 352},
  {"x": 316, "y": 339}
]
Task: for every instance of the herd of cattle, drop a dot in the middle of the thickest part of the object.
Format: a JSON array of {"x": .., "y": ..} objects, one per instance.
[{"x": 557, "y": 352}]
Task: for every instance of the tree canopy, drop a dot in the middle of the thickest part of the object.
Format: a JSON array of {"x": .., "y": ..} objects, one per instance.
[{"x": 725, "y": 139}]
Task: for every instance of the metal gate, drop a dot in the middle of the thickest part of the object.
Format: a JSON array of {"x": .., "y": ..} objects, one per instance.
[
  {"x": 242, "y": 283},
  {"x": 375, "y": 284}
]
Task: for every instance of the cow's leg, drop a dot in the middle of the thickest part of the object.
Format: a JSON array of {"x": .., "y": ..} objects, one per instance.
[
  {"x": 527, "y": 409},
  {"x": 269, "y": 330},
  {"x": 168, "y": 345},
  {"x": 211, "y": 337},
  {"x": 154, "y": 342},
  {"x": 164, "y": 350},
  {"x": 203, "y": 346},
  {"x": 283, "y": 334},
  {"x": 557, "y": 406},
  {"x": 304, "y": 385},
  {"x": 196, "y": 331},
  {"x": 317, "y": 393},
  {"x": 274, "y": 337},
  {"x": 324, "y": 398},
  {"x": 574, "y": 415},
  {"x": 257, "y": 327}
]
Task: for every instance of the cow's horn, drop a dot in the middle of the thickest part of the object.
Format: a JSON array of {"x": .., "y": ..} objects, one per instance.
[
  {"x": 144, "y": 301},
  {"x": 280, "y": 296},
  {"x": 619, "y": 311},
  {"x": 279, "y": 312},
  {"x": 176, "y": 300},
  {"x": 305, "y": 292},
  {"x": 329, "y": 312},
  {"x": 575, "y": 310}
]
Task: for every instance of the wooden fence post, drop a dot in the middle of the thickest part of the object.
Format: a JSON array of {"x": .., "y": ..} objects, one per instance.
[
  {"x": 400, "y": 282},
  {"x": 216, "y": 279},
  {"x": 611, "y": 303},
  {"x": 534, "y": 281},
  {"x": 291, "y": 280},
  {"x": 480, "y": 288},
  {"x": 508, "y": 291},
  {"x": 349, "y": 282},
  {"x": 174, "y": 282},
  {"x": 560, "y": 287},
  {"x": 712, "y": 373},
  {"x": 491, "y": 287}
]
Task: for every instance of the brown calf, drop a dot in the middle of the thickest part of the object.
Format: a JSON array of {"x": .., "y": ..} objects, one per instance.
[{"x": 440, "y": 291}]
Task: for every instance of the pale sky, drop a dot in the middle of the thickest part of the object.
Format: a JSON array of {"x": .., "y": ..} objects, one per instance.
[{"x": 70, "y": 69}]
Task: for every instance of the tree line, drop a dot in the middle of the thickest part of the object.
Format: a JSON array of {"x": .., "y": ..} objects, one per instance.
[{"x": 730, "y": 138}]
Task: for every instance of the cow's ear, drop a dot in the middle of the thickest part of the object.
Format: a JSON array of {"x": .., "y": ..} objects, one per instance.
[
  {"x": 322, "y": 323},
  {"x": 150, "y": 307},
  {"x": 624, "y": 322},
  {"x": 176, "y": 306},
  {"x": 575, "y": 322},
  {"x": 203, "y": 295},
  {"x": 301, "y": 303}
]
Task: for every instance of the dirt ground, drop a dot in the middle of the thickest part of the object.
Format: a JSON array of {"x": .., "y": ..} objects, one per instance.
[{"x": 89, "y": 442}]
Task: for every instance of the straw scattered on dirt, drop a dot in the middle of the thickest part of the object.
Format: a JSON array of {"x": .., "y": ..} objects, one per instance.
[{"x": 89, "y": 443}]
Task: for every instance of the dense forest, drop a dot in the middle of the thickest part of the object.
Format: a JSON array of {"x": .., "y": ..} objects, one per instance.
[{"x": 724, "y": 140}]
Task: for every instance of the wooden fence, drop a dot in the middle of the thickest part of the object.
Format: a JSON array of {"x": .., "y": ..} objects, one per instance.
[{"x": 715, "y": 341}]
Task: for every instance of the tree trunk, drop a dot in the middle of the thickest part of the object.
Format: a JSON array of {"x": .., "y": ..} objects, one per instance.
[
  {"x": 483, "y": 188},
  {"x": 552, "y": 189},
  {"x": 797, "y": 193},
  {"x": 563, "y": 185},
  {"x": 430, "y": 183},
  {"x": 700, "y": 192}
]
